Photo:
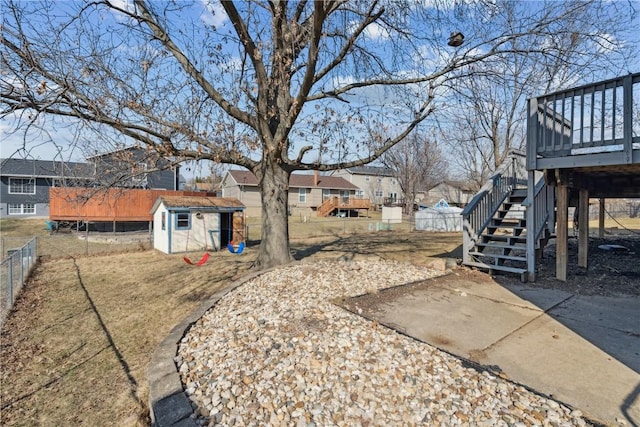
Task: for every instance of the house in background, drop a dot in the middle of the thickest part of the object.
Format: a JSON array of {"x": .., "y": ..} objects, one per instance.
[
  {"x": 184, "y": 224},
  {"x": 456, "y": 193},
  {"x": 134, "y": 167},
  {"x": 375, "y": 183},
  {"x": 25, "y": 183},
  {"x": 308, "y": 194}
]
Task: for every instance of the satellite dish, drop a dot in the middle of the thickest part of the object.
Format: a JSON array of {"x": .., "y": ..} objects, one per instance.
[{"x": 455, "y": 39}]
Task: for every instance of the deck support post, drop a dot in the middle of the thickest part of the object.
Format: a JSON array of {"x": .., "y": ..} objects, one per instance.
[
  {"x": 601, "y": 218},
  {"x": 531, "y": 220},
  {"x": 583, "y": 227},
  {"x": 562, "y": 232}
]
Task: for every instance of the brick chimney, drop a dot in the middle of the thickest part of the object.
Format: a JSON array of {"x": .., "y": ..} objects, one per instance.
[{"x": 315, "y": 178}]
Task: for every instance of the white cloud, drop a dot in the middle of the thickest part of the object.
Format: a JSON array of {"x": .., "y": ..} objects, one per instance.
[
  {"x": 213, "y": 14},
  {"x": 375, "y": 31},
  {"x": 123, "y": 4}
]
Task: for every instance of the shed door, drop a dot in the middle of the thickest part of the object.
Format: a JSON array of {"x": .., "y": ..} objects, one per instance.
[{"x": 226, "y": 228}]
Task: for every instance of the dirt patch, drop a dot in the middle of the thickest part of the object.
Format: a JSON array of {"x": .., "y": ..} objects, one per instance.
[{"x": 611, "y": 270}]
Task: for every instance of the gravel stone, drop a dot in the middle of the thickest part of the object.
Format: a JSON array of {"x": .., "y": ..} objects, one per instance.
[{"x": 276, "y": 351}]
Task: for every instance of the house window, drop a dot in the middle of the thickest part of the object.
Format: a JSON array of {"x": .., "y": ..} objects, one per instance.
[
  {"x": 183, "y": 221},
  {"x": 345, "y": 196},
  {"x": 367, "y": 178},
  {"x": 393, "y": 196},
  {"x": 22, "y": 186},
  {"x": 139, "y": 175},
  {"x": 163, "y": 220},
  {"x": 302, "y": 195},
  {"x": 22, "y": 209},
  {"x": 326, "y": 194},
  {"x": 359, "y": 194},
  {"x": 378, "y": 193}
]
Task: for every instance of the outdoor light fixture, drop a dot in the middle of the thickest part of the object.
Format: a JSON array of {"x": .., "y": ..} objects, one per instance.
[{"x": 455, "y": 39}]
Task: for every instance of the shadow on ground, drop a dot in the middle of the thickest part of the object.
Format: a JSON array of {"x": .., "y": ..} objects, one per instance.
[{"x": 577, "y": 341}]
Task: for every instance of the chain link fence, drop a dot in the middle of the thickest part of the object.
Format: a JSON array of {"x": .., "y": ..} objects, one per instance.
[
  {"x": 60, "y": 245},
  {"x": 14, "y": 271},
  {"x": 311, "y": 227},
  {"x": 19, "y": 255}
]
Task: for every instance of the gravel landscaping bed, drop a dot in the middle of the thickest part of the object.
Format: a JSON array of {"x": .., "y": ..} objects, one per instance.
[{"x": 277, "y": 351}]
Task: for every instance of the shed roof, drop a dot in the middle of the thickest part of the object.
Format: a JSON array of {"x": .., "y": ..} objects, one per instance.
[
  {"x": 297, "y": 180},
  {"x": 198, "y": 202}
]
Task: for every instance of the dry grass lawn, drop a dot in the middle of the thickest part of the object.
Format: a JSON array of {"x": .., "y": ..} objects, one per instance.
[{"x": 76, "y": 347}]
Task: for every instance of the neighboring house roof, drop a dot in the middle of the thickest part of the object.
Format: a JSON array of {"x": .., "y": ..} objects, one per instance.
[
  {"x": 297, "y": 181},
  {"x": 196, "y": 202},
  {"x": 205, "y": 186},
  {"x": 45, "y": 168},
  {"x": 371, "y": 170},
  {"x": 112, "y": 152},
  {"x": 460, "y": 185}
]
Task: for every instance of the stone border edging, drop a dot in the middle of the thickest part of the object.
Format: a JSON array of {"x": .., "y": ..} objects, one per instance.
[{"x": 169, "y": 406}]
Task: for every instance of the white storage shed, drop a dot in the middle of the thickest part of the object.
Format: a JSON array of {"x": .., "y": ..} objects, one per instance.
[{"x": 184, "y": 224}]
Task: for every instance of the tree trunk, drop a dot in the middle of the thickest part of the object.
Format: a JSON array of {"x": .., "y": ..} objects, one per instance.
[{"x": 274, "y": 245}]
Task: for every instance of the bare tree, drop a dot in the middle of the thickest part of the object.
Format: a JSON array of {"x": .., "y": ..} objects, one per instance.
[
  {"x": 488, "y": 117},
  {"x": 261, "y": 84},
  {"x": 418, "y": 164}
]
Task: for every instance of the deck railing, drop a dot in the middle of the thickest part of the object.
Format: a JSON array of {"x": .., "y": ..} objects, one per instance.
[
  {"x": 477, "y": 215},
  {"x": 596, "y": 120},
  {"x": 336, "y": 202}
]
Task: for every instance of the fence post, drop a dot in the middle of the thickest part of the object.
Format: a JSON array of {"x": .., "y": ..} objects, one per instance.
[{"x": 10, "y": 281}]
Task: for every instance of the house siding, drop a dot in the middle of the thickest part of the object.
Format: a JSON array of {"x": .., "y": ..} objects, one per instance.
[
  {"x": 40, "y": 199},
  {"x": 249, "y": 194},
  {"x": 46, "y": 172},
  {"x": 386, "y": 184}
]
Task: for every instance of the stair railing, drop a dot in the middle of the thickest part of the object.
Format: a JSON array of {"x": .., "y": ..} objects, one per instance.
[
  {"x": 477, "y": 215},
  {"x": 544, "y": 201},
  {"x": 327, "y": 206}
]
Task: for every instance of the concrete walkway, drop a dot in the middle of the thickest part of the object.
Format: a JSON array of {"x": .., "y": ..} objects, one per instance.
[{"x": 582, "y": 350}]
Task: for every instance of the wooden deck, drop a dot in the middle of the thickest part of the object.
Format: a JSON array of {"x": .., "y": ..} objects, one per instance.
[
  {"x": 343, "y": 203},
  {"x": 589, "y": 136},
  {"x": 102, "y": 205},
  {"x": 586, "y": 141}
]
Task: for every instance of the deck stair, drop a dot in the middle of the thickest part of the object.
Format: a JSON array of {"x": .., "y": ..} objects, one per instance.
[
  {"x": 502, "y": 246},
  {"x": 495, "y": 221}
]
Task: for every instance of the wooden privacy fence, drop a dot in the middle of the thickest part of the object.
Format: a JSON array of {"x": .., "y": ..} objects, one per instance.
[{"x": 113, "y": 204}]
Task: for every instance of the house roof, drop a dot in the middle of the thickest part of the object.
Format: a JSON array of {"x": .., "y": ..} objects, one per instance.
[
  {"x": 371, "y": 170},
  {"x": 297, "y": 180},
  {"x": 45, "y": 168},
  {"x": 195, "y": 202},
  {"x": 112, "y": 152},
  {"x": 460, "y": 185}
]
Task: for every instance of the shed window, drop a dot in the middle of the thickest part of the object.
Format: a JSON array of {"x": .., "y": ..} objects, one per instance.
[
  {"x": 183, "y": 221},
  {"x": 22, "y": 186},
  {"x": 163, "y": 220},
  {"x": 302, "y": 195}
]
